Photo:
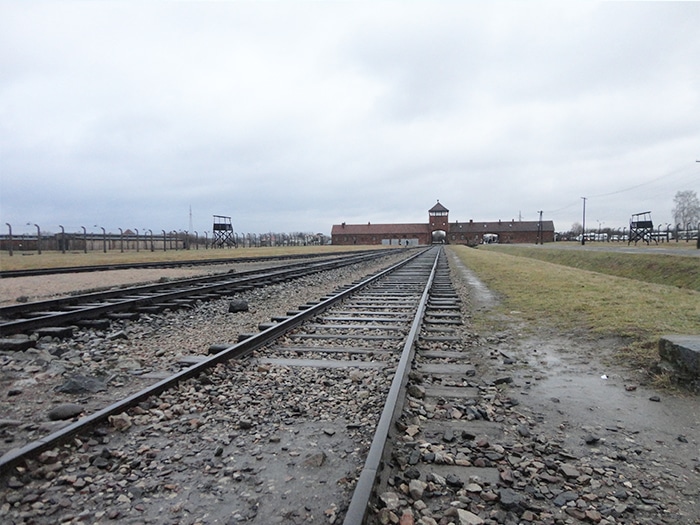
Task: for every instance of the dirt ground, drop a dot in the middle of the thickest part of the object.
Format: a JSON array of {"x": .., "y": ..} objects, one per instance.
[
  {"x": 574, "y": 390},
  {"x": 567, "y": 385}
]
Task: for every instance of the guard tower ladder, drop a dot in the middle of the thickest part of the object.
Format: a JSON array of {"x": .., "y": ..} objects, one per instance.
[
  {"x": 223, "y": 232},
  {"x": 641, "y": 228}
]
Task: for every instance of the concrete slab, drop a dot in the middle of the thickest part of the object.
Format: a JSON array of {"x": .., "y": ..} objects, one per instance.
[
  {"x": 447, "y": 369},
  {"x": 452, "y": 392},
  {"x": 486, "y": 476},
  {"x": 434, "y": 430},
  {"x": 60, "y": 332},
  {"x": 13, "y": 344},
  {"x": 445, "y": 354},
  {"x": 324, "y": 363},
  {"x": 683, "y": 352}
]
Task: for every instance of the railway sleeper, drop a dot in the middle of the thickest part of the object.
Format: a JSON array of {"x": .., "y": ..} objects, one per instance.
[
  {"x": 124, "y": 316},
  {"x": 59, "y": 332},
  {"x": 16, "y": 344}
]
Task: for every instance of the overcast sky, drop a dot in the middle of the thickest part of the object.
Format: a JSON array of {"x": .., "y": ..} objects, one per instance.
[{"x": 294, "y": 116}]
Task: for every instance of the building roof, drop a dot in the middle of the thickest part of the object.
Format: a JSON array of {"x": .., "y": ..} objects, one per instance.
[
  {"x": 499, "y": 226},
  {"x": 438, "y": 208},
  {"x": 379, "y": 229}
]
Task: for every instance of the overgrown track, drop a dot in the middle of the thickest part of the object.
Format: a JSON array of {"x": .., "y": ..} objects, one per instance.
[
  {"x": 83, "y": 309},
  {"x": 271, "y": 396}
]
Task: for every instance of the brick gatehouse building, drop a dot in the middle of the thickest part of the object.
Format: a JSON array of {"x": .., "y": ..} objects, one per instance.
[{"x": 440, "y": 230}]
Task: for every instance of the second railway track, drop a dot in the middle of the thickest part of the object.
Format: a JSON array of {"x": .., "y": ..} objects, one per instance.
[{"x": 151, "y": 298}]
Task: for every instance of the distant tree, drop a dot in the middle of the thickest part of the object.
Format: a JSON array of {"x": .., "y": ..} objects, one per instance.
[
  {"x": 686, "y": 208},
  {"x": 576, "y": 228}
]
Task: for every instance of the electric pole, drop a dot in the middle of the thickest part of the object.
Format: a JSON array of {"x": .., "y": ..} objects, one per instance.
[{"x": 583, "y": 233}]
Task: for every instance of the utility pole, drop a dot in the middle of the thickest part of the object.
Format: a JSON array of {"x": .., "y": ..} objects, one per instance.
[
  {"x": 583, "y": 233},
  {"x": 539, "y": 229}
]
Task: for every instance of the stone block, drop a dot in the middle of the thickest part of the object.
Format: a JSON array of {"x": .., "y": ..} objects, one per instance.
[
  {"x": 683, "y": 353},
  {"x": 16, "y": 344}
]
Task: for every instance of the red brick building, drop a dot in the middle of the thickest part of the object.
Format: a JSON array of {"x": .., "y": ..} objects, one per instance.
[{"x": 440, "y": 230}]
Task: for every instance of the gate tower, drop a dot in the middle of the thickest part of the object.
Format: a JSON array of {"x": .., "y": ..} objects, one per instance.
[{"x": 438, "y": 221}]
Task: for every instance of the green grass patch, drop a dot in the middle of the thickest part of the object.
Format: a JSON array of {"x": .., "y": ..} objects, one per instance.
[
  {"x": 582, "y": 300},
  {"x": 671, "y": 270}
]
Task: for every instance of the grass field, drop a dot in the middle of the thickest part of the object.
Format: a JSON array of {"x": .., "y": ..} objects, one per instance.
[
  {"x": 54, "y": 259},
  {"x": 637, "y": 296},
  {"x": 648, "y": 265},
  {"x": 576, "y": 291}
]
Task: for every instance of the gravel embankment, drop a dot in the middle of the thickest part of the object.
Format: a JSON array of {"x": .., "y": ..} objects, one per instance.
[
  {"x": 569, "y": 439},
  {"x": 95, "y": 368}
]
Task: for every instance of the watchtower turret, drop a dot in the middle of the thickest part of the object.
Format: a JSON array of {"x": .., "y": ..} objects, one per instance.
[{"x": 439, "y": 224}]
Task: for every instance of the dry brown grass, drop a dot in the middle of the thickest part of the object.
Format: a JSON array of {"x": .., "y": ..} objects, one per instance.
[
  {"x": 585, "y": 300},
  {"x": 648, "y": 264}
]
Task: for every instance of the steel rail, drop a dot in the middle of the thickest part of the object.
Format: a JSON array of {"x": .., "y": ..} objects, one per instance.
[
  {"x": 359, "y": 503},
  {"x": 8, "y": 274},
  {"x": 238, "y": 350}
]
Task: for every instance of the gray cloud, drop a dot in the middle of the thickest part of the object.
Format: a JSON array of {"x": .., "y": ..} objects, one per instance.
[{"x": 300, "y": 115}]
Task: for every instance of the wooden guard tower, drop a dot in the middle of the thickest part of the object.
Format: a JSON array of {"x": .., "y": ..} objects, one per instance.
[
  {"x": 223, "y": 231},
  {"x": 641, "y": 228}
]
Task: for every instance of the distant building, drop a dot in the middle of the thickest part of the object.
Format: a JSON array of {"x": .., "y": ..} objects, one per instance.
[{"x": 440, "y": 230}]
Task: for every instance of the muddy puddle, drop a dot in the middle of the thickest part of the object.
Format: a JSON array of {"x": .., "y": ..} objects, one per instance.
[{"x": 595, "y": 397}]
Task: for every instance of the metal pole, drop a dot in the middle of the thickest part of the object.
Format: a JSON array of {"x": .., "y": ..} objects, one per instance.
[
  {"x": 84, "y": 239},
  {"x": 137, "y": 239},
  {"x": 164, "y": 241},
  {"x": 583, "y": 235},
  {"x": 10, "y": 227},
  {"x": 63, "y": 239},
  {"x": 38, "y": 236},
  {"x": 104, "y": 239},
  {"x": 121, "y": 240}
]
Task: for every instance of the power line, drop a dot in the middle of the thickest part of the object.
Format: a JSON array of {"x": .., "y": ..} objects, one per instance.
[
  {"x": 551, "y": 212},
  {"x": 674, "y": 172}
]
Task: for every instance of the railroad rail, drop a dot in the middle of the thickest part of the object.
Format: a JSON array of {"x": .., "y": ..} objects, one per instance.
[
  {"x": 82, "y": 309},
  {"x": 34, "y": 272},
  {"x": 278, "y": 388}
]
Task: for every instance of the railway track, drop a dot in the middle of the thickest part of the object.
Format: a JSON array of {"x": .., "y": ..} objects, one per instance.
[
  {"x": 129, "y": 302},
  {"x": 34, "y": 272},
  {"x": 284, "y": 415},
  {"x": 372, "y": 405}
]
